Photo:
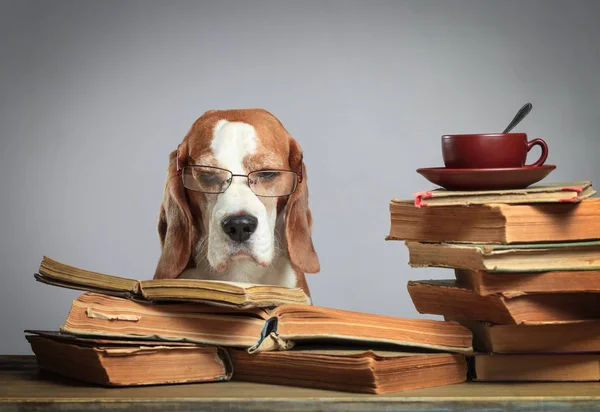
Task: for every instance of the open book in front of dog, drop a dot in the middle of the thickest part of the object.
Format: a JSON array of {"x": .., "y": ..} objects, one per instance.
[{"x": 223, "y": 293}]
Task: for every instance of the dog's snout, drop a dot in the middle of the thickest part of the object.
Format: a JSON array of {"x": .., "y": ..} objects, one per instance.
[{"x": 239, "y": 228}]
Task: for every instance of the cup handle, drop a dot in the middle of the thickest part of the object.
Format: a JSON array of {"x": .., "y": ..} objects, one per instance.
[{"x": 543, "y": 146}]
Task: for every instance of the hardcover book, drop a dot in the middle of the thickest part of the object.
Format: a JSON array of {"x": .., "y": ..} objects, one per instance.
[
  {"x": 351, "y": 370},
  {"x": 533, "y": 257},
  {"x": 565, "y": 337},
  {"x": 570, "y": 192},
  {"x": 450, "y": 299},
  {"x": 496, "y": 223},
  {"x": 574, "y": 367},
  {"x": 489, "y": 283},
  {"x": 128, "y": 363}
]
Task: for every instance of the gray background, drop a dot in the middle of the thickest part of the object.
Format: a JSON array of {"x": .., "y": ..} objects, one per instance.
[{"x": 94, "y": 95}]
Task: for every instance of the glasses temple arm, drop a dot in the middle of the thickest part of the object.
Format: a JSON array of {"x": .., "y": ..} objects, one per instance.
[
  {"x": 299, "y": 173},
  {"x": 179, "y": 168}
]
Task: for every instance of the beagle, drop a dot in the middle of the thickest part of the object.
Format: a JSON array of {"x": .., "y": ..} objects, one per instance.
[{"x": 235, "y": 203}]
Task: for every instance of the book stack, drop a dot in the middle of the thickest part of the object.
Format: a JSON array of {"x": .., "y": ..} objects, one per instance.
[
  {"x": 123, "y": 332},
  {"x": 526, "y": 275}
]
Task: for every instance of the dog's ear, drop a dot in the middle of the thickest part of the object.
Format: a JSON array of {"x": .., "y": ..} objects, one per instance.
[
  {"x": 298, "y": 220},
  {"x": 175, "y": 226}
]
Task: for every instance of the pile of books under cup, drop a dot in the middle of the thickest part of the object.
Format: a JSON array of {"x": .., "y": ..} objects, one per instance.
[
  {"x": 125, "y": 332},
  {"x": 526, "y": 266}
]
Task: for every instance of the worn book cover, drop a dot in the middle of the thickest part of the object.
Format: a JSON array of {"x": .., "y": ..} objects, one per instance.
[
  {"x": 496, "y": 223},
  {"x": 531, "y": 257},
  {"x": 451, "y": 299},
  {"x": 128, "y": 363},
  {"x": 489, "y": 283},
  {"x": 557, "y": 192},
  {"x": 574, "y": 367},
  {"x": 564, "y": 337},
  {"x": 350, "y": 369}
]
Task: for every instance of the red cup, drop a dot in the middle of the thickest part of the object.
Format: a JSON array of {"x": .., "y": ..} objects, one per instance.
[{"x": 490, "y": 151}]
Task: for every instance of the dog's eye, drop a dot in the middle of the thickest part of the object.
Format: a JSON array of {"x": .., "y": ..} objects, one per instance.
[
  {"x": 267, "y": 175},
  {"x": 209, "y": 179},
  {"x": 206, "y": 179},
  {"x": 272, "y": 182}
]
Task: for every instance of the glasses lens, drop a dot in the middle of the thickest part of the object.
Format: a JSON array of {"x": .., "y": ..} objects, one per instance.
[
  {"x": 272, "y": 182},
  {"x": 206, "y": 179}
]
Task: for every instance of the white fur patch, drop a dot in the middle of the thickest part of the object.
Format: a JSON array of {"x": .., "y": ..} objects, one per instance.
[
  {"x": 256, "y": 260},
  {"x": 280, "y": 272},
  {"x": 232, "y": 141}
]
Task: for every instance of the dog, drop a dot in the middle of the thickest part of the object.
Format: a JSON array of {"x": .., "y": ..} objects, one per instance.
[{"x": 235, "y": 203}]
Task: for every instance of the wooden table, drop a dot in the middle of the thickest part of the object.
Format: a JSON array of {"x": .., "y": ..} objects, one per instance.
[{"x": 23, "y": 387}]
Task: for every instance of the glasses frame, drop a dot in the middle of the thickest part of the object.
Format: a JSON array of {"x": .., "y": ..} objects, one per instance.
[{"x": 180, "y": 172}]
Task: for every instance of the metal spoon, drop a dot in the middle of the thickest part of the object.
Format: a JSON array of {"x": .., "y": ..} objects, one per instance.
[{"x": 521, "y": 114}]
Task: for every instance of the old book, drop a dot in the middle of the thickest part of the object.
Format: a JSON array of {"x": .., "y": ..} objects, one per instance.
[
  {"x": 554, "y": 338},
  {"x": 351, "y": 370},
  {"x": 533, "y": 257},
  {"x": 241, "y": 295},
  {"x": 121, "y": 363},
  {"x": 537, "y": 367},
  {"x": 488, "y": 283},
  {"x": 256, "y": 329},
  {"x": 570, "y": 192},
  {"x": 496, "y": 223},
  {"x": 101, "y": 340},
  {"x": 448, "y": 298}
]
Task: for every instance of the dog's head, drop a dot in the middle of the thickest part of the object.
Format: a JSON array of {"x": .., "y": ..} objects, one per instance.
[{"x": 236, "y": 189}]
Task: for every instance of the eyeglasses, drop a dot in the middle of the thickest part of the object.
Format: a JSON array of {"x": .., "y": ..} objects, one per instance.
[
  {"x": 265, "y": 183},
  {"x": 215, "y": 180}
]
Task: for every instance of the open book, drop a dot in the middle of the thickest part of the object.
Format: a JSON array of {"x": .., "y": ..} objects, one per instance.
[
  {"x": 257, "y": 329},
  {"x": 241, "y": 295}
]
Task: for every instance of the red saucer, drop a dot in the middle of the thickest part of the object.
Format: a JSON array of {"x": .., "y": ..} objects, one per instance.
[{"x": 486, "y": 179}]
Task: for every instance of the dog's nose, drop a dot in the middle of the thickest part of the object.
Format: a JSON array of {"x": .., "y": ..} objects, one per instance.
[{"x": 239, "y": 228}]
